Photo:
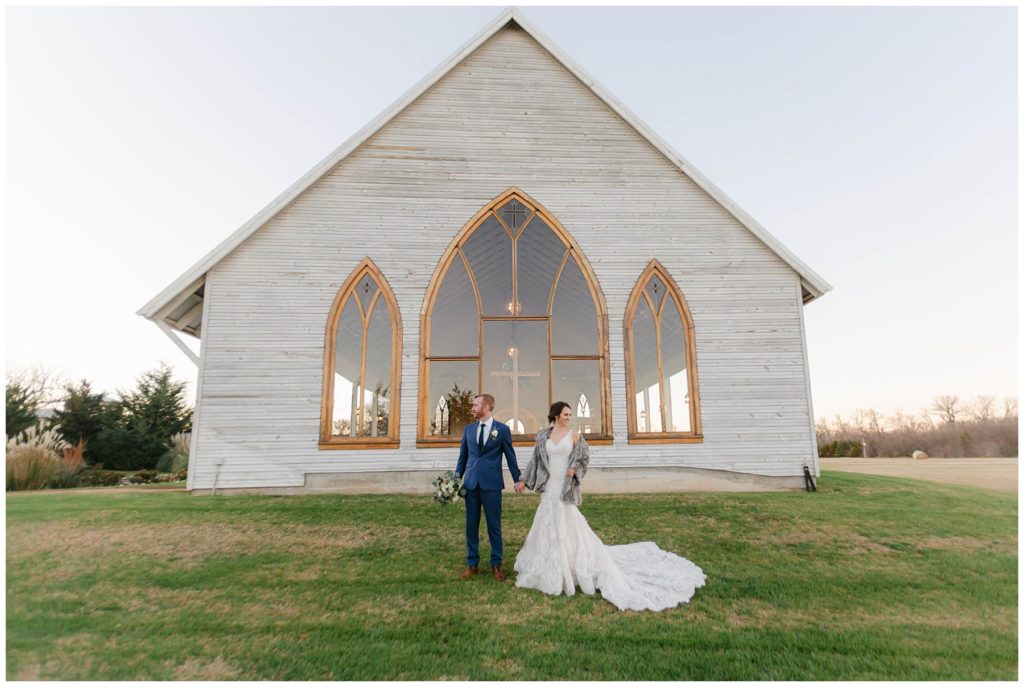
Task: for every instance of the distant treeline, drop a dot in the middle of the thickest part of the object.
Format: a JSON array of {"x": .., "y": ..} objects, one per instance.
[{"x": 949, "y": 428}]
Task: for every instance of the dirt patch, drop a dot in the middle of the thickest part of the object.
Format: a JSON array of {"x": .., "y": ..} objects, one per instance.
[
  {"x": 752, "y": 613},
  {"x": 506, "y": 667},
  {"x": 184, "y": 545},
  {"x": 966, "y": 544},
  {"x": 206, "y": 670},
  {"x": 832, "y": 537},
  {"x": 82, "y": 640},
  {"x": 68, "y": 663},
  {"x": 29, "y": 672},
  {"x": 759, "y": 614}
]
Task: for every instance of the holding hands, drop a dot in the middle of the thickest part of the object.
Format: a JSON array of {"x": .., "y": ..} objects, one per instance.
[{"x": 520, "y": 487}]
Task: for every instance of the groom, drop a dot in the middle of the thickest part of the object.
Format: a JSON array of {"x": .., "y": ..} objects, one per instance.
[{"x": 483, "y": 443}]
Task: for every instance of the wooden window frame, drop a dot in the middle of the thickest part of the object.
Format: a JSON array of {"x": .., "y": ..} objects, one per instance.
[
  {"x": 453, "y": 252},
  {"x": 327, "y": 440},
  {"x": 695, "y": 436}
]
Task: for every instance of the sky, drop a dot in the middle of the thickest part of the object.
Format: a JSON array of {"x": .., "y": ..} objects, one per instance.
[{"x": 878, "y": 144}]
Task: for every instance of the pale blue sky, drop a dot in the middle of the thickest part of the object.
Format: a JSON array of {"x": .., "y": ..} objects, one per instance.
[{"x": 879, "y": 144}]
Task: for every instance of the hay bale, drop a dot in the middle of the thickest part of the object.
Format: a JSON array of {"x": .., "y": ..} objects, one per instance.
[{"x": 919, "y": 455}]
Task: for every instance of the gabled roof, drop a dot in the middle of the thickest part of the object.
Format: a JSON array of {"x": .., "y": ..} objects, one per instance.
[{"x": 186, "y": 287}]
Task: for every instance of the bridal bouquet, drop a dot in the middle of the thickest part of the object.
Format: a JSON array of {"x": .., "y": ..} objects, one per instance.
[{"x": 449, "y": 488}]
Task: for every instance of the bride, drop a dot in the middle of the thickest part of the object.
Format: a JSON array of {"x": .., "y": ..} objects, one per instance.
[{"x": 561, "y": 551}]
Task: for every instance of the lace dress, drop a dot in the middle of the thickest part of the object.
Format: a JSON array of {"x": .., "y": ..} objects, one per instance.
[{"x": 561, "y": 552}]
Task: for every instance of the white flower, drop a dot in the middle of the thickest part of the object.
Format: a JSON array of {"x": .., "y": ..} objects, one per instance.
[{"x": 494, "y": 433}]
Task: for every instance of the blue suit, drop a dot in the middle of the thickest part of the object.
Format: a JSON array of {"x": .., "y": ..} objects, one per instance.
[{"x": 481, "y": 475}]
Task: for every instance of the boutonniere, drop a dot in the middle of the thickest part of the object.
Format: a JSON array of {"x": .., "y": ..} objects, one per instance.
[{"x": 494, "y": 434}]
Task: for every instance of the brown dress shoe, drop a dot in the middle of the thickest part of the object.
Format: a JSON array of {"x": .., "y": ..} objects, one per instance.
[
  {"x": 468, "y": 572},
  {"x": 498, "y": 575}
]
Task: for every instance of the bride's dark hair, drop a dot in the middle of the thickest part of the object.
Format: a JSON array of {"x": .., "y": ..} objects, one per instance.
[{"x": 556, "y": 409}]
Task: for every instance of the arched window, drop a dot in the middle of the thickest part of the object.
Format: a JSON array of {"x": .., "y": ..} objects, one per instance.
[
  {"x": 661, "y": 362},
  {"x": 513, "y": 310},
  {"x": 362, "y": 364}
]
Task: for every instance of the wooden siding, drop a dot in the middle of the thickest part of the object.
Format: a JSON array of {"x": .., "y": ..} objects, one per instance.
[{"x": 509, "y": 115}]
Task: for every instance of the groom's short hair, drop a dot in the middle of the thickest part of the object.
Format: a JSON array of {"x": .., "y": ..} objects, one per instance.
[{"x": 488, "y": 400}]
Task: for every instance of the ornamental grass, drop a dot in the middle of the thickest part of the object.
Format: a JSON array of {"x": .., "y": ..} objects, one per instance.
[{"x": 42, "y": 459}]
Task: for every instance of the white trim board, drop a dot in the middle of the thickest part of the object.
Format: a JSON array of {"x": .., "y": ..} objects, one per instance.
[{"x": 810, "y": 280}]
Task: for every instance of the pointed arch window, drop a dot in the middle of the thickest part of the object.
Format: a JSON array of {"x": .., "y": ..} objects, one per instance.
[
  {"x": 362, "y": 364},
  {"x": 663, "y": 405},
  {"x": 513, "y": 310}
]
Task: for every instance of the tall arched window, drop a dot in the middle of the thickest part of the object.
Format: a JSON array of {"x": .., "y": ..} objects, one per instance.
[
  {"x": 663, "y": 405},
  {"x": 513, "y": 310},
  {"x": 362, "y": 364}
]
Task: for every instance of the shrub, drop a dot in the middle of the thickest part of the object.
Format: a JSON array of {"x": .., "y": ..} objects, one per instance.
[
  {"x": 841, "y": 449},
  {"x": 140, "y": 477},
  {"x": 176, "y": 457},
  {"x": 69, "y": 466},
  {"x": 164, "y": 464},
  {"x": 96, "y": 476}
]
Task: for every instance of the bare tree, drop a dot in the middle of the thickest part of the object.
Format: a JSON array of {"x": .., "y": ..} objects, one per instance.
[
  {"x": 1009, "y": 408},
  {"x": 974, "y": 430},
  {"x": 44, "y": 386},
  {"x": 947, "y": 407},
  {"x": 860, "y": 421},
  {"x": 874, "y": 431},
  {"x": 982, "y": 409}
]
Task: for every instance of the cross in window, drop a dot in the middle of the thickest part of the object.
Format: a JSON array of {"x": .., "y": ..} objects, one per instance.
[
  {"x": 514, "y": 375},
  {"x": 516, "y": 210}
]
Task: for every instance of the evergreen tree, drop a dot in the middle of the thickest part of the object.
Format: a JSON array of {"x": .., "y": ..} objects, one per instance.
[
  {"x": 136, "y": 431},
  {"x": 158, "y": 402},
  {"x": 81, "y": 418},
  {"x": 125, "y": 442},
  {"x": 21, "y": 408}
]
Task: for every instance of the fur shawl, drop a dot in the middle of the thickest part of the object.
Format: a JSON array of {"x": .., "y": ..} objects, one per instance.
[{"x": 538, "y": 470}]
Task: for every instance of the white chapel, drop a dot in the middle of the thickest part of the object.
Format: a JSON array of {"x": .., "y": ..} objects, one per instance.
[{"x": 507, "y": 227}]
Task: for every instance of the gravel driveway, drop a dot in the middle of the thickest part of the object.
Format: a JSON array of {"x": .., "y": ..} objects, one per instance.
[{"x": 990, "y": 473}]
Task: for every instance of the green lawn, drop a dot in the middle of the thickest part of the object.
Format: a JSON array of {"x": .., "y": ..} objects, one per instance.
[{"x": 870, "y": 578}]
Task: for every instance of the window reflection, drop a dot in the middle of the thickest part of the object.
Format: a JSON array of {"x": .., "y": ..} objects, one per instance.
[
  {"x": 576, "y": 382},
  {"x": 454, "y": 327},
  {"x": 645, "y": 370},
  {"x": 363, "y": 364},
  {"x": 377, "y": 386},
  {"x": 347, "y": 369},
  {"x": 452, "y": 387},
  {"x": 536, "y": 309},
  {"x": 489, "y": 253},
  {"x": 660, "y": 360},
  {"x": 539, "y": 253},
  {"x": 515, "y": 372},
  {"x": 573, "y": 314},
  {"x": 673, "y": 363}
]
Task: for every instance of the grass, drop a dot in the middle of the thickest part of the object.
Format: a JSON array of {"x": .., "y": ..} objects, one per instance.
[{"x": 871, "y": 578}]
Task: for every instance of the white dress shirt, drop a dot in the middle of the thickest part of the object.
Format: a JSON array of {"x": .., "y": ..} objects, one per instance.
[{"x": 487, "y": 430}]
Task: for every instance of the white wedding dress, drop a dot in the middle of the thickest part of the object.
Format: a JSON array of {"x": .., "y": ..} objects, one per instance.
[{"x": 561, "y": 552}]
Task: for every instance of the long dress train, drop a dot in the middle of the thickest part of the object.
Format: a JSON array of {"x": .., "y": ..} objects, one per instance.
[{"x": 561, "y": 552}]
